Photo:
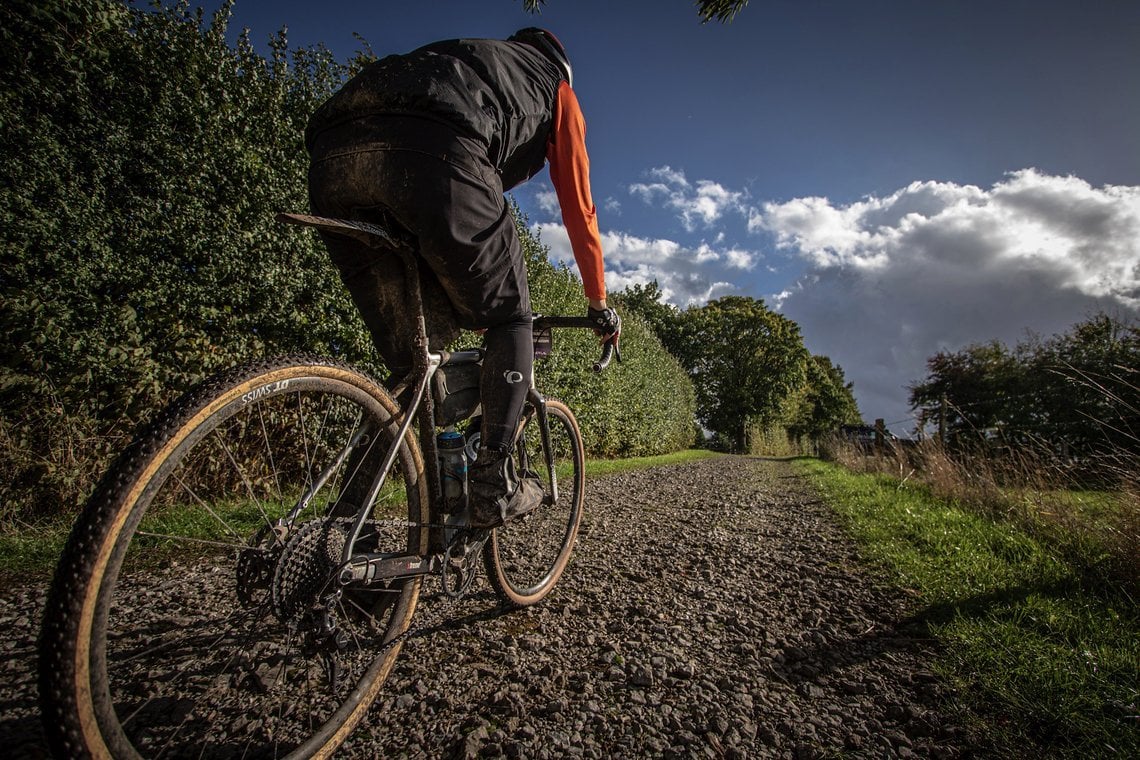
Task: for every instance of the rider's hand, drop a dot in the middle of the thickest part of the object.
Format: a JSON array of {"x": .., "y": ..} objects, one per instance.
[{"x": 607, "y": 324}]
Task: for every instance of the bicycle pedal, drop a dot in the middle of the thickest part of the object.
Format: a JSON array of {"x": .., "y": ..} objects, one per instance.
[{"x": 465, "y": 541}]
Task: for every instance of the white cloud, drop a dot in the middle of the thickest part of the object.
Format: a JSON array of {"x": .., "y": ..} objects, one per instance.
[
  {"x": 704, "y": 254},
  {"x": 701, "y": 205},
  {"x": 889, "y": 281},
  {"x": 936, "y": 266},
  {"x": 548, "y": 201},
  {"x": 740, "y": 259},
  {"x": 686, "y": 275},
  {"x": 669, "y": 176}
]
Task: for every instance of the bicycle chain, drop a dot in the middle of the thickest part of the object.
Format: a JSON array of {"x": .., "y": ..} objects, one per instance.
[
  {"x": 454, "y": 600},
  {"x": 312, "y": 555}
]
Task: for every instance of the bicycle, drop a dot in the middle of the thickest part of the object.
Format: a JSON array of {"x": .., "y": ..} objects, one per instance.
[{"x": 243, "y": 579}]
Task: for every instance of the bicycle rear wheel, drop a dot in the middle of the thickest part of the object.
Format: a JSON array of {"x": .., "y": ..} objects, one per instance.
[
  {"x": 526, "y": 557},
  {"x": 193, "y": 612}
]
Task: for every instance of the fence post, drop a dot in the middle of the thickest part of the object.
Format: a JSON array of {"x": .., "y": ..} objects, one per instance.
[
  {"x": 880, "y": 436},
  {"x": 942, "y": 421}
]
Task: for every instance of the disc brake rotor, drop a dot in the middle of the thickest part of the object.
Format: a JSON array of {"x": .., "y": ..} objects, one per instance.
[{"x": 256, "y": 566}]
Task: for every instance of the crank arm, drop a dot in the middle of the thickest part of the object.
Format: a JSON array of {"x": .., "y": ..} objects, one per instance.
[{"x": 375, "y": 568}]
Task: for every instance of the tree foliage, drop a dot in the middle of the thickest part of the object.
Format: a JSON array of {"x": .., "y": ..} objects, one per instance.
[
  {"x": 1078, "y": 391},
  {"x": 746, "y": 360},
  {"x": 143, "y": 161},
  {"x": 749, "y": 366},
  {"x": 825, "y": 401}
]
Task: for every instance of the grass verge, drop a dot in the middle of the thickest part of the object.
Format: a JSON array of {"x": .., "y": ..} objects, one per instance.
[
  {"x": 1044, "y": 661},
  {"x": 596, "y": 468}
]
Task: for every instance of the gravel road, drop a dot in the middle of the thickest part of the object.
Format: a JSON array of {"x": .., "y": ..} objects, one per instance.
[{"x": 712, "y": 609}]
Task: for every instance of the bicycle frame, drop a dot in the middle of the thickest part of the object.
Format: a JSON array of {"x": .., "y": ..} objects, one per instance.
[
  {"x": 420, "y": 407},
  {"x": 287, "y": 627}
]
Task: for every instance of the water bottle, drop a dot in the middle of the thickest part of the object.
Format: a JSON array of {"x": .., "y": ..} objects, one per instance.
[{"x": 452, "y": 469}]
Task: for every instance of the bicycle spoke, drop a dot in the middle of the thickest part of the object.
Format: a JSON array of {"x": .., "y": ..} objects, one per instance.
[
  {"x": 194, "y": 496},
  {"x": 231, "y": 625},
  {"x": 269, "y": 452},
  {"x": 220, "y": 643},
  {"x": 304, "y": 442},
  {"x": 192, "y": 540},
  {"x": 245, "y": 480}
]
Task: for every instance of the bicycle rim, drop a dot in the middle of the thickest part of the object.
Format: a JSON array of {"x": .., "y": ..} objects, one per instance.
[
  {"x": 526, "y": 557},
  {"x": 192, "y": 614}
]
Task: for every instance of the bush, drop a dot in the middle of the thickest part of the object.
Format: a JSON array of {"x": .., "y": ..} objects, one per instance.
[
  {"x": 642, "y": 406},
  {"x": 144, "y": 161}
]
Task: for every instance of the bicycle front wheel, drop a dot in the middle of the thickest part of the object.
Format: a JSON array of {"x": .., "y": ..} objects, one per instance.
[
  {"x": 195, "y": 611},
  {"x": 526, "y": 557}
]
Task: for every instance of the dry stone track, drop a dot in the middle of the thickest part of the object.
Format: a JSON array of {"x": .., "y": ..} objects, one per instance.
[{"x": 712, "y": 609}]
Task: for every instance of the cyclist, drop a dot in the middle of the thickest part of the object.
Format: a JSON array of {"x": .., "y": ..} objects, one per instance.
[{"x": 428, "y": 142}]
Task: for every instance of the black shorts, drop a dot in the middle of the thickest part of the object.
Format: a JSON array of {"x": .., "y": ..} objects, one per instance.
[{"x": 438, "y": 186}]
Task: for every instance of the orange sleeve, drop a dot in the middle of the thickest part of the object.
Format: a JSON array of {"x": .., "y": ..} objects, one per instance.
[{"x": 570, "y": 173}]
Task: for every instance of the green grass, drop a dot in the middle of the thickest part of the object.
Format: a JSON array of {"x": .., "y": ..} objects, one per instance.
[
  {"x": 596, "y": 468},
  {"x": 29, "y": 553},
  {"x": 1045, "y": 662},
  {"x": 1093, "y": 514}
]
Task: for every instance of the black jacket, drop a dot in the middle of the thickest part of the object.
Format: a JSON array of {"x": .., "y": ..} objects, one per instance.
[{"x": 499, "y": 94}]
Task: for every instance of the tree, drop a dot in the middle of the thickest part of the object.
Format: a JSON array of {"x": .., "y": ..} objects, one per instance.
[
  {"x": 745, "y": 361},
  {"x": 720, "y": 10},
  {"x": 1079, "y": 391},
  {"x": 143, "y": 159},
  {"x": 662, "y": 317},
  {"x": 1089, "y": 385},
  {"x": 828, "y": 401},
  {"x": 969, "y": 391},
  {"x": 818, "y": 405}
]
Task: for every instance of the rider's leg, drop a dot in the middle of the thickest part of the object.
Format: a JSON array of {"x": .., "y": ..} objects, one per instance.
[
  {"x": 497, "y": 491},
  {"x": 492, "y": 290},
  {"x": 432, "y": 182},
  {"x": 473, "y": 247},
  {"x": 505, "y": 381},
  {"x": 351, "y": 177}
]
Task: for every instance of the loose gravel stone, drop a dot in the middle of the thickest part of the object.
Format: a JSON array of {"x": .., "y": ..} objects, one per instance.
[{"x": 712, "y": 609}]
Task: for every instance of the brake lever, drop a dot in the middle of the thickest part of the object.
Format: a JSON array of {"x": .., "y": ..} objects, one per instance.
[{"x": 610, "y": 351}]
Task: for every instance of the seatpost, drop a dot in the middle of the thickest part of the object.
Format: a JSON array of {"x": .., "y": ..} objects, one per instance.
[
  {"x": 422, "y": 364},
  {"x": 412, "y": 285}
]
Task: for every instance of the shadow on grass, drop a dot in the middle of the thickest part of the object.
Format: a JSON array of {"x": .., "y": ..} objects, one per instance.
[{"x": 1022, "y": 710}]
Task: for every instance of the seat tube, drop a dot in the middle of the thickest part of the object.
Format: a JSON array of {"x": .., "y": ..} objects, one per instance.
[{"x": 425, "y": 366}]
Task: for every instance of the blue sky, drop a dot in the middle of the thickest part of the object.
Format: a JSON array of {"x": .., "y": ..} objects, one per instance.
[{"x": 897, "y": 176}]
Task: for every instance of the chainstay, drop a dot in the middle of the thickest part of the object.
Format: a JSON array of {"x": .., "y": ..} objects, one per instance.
[
  {"x": 451, "y": 601},
  {"x": 410, "y": 524}
]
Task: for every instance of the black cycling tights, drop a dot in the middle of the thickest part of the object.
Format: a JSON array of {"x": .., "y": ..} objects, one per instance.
[{"x": 506, "y": 380}]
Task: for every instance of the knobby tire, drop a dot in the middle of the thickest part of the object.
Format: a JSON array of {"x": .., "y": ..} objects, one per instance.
[
  {"x": 127, "y": 632},
  {"x": 525, "y": 558}
]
